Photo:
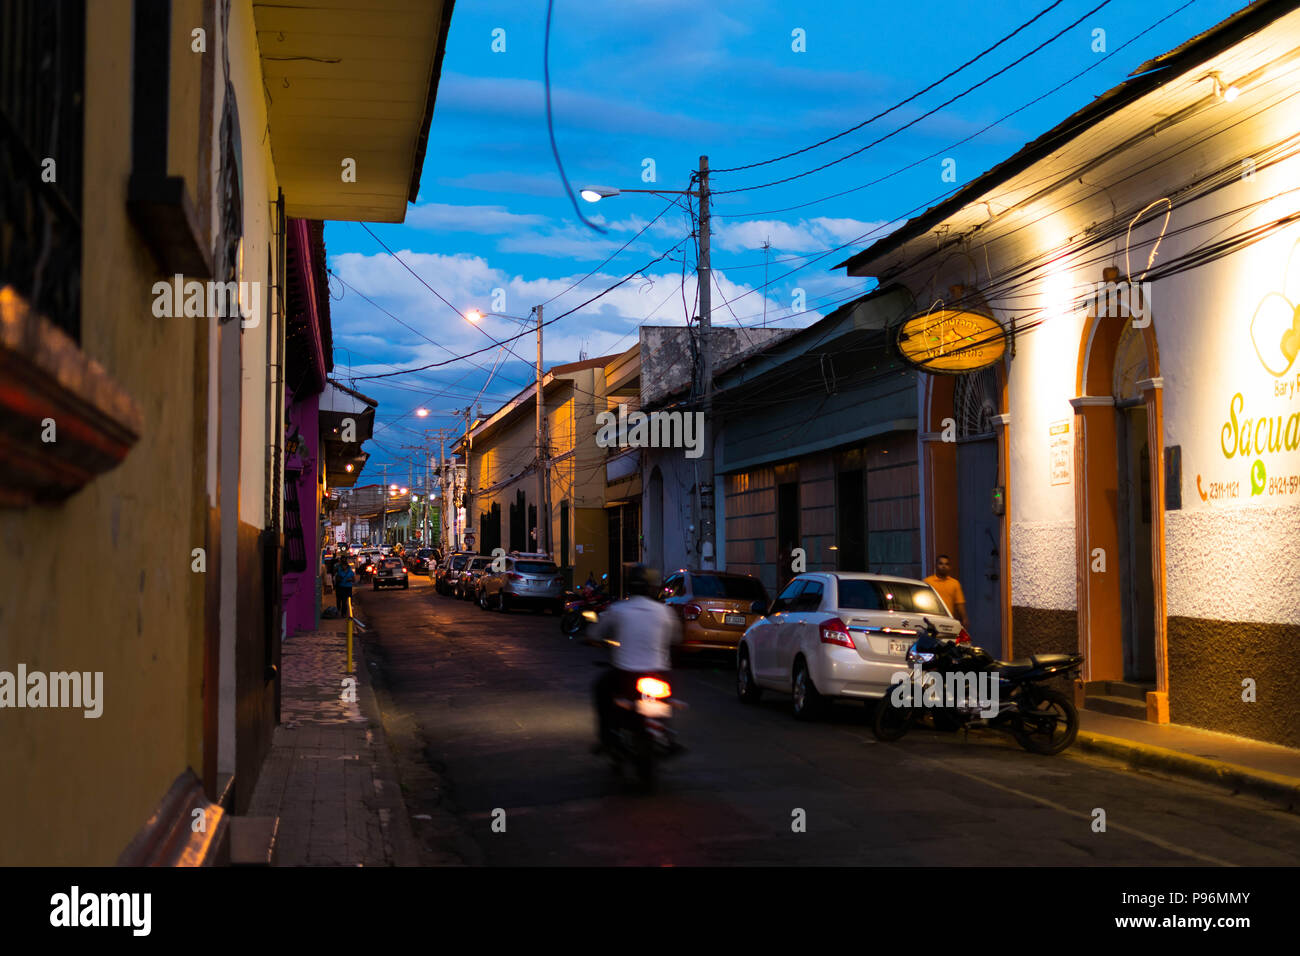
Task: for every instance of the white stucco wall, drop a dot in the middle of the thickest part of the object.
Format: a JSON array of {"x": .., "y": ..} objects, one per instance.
[{"x": 1230, "y": 552}]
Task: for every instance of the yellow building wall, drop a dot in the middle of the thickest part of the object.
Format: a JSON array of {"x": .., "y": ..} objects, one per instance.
[{"x": 103, "y": 582}]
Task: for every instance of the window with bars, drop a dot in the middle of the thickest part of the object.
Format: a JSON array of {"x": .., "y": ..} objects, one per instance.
[{"x": 42, "y": 96}]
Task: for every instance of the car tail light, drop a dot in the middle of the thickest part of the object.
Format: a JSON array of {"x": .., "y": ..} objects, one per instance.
[
  {"x": 515, "y": 577},
  {"x": 692, "y": 612},
  {"x": 834, "y": 631},
  {"x": 653, "y": 687},
  {"x": 963, "y": 637}
]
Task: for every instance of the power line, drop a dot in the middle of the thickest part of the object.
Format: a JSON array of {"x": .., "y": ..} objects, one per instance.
[
  {"x": 853, "y": 129},
  {"x": 964, "y": 140}
]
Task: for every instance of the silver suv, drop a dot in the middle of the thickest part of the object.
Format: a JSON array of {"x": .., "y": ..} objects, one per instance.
[{"x": 527, "y": 580}]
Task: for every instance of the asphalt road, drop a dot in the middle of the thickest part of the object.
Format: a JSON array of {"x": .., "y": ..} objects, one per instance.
[{"x": 491, "y": 718}]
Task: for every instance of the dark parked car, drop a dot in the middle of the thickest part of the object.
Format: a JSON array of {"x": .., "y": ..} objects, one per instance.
[
  {"x": 419, "y": 561},
  {"x": 465, "y": 585},
  {"x": 451, "y": 565}
]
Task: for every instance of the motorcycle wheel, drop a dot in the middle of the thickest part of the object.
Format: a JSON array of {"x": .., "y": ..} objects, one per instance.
[
  {"x": 889, "y": 723},
  {"x": 571, "y": 623},
  {"x": 1060, "y": 731}
]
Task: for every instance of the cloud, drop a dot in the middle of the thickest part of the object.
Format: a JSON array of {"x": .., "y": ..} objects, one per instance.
[
  {"x": 488, "y": 220},
  {"x": 807, "y": 235},
  {"x": 544, "y": 184}
]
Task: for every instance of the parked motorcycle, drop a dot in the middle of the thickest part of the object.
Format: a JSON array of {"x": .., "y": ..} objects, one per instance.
[
  {"x": 1042, "y": 719},
  {"x": 582, "y": 608}
]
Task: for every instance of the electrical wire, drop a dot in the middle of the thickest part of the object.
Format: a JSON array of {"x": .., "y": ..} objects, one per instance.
[
  {"x": 964, "y": 140},
  {"x": 901, "y": 103},
  {"x": 926, "y": 115}
]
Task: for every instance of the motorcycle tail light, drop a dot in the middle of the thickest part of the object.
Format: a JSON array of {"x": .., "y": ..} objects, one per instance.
[
  {"x": 653, "y": 687},
  {"x": 692, "y": 612},
  {"x": 835, "y": 631},
  {"x": 963, "y": 637}
]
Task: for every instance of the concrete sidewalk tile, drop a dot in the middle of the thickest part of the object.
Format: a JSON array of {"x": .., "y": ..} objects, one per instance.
[{"x": 329, "y": 776}]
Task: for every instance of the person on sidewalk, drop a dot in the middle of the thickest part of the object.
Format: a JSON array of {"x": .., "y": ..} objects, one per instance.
[
  {"x": 345, "y": 578},
  {"x": 949, "y": 589},
  {"x": 645, "y": 631}
]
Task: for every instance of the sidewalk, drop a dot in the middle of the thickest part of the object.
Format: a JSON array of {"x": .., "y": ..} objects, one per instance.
[
  {"x": 1265, "y": 771},
  {"x": 329, "y": 776}
]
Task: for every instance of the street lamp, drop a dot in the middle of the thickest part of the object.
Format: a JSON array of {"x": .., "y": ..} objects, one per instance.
[
  {"x": 703, "y": 278},
  {"x": 421, "y": 413}
]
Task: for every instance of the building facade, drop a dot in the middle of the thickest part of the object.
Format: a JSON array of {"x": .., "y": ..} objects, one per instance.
[
  {"x": 150, "y": 184},
  {"x": 1143, "y": 260}
]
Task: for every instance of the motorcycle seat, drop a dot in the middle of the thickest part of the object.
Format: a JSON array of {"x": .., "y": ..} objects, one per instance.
[{"x": 1025, "y": 664}]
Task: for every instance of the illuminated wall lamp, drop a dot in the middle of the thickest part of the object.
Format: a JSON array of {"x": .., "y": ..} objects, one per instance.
[{"x": 1224, "y": 91}]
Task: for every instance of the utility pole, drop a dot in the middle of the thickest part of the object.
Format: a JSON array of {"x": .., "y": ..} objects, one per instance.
[
  {"x": 383, "y": 508},
  {"x": 543, "y": 512},
  {"x": 468, "y": 504},
  {"x": 704, "y": 281}
]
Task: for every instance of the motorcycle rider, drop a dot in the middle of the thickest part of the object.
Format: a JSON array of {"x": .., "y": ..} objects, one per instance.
[{"x": 643, "y": 631}]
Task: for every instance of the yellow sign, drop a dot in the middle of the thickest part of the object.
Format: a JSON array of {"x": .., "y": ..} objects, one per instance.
[{"x": 952, "y": 341}]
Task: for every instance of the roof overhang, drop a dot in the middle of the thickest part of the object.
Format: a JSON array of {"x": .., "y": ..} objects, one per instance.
[
  {"x": 1171, "y": 92},
  {"x": 349, "y": 79}
]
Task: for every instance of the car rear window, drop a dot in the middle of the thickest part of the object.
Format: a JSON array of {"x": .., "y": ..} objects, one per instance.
[
  {"x": 424, "y": 553},
  {"x": 392, "y": 562},
  {"x": 536, "y": 567},
  {"x": 889, "y": 596},
  {"x": 477, "y": 564},
  {"x": 458, "y": 562},
  {"x": 728, "y": 586}
]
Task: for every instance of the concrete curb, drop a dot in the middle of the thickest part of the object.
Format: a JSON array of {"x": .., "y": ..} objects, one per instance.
[{"x": 1272, "y": 787}]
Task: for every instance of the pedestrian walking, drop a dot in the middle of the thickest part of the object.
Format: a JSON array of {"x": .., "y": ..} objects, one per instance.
[
  {"x": 949, "y": 589},
  {"x": 345, "y": 577}
]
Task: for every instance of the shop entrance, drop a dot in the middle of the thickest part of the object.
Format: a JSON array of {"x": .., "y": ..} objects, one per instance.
[
  {"x": 978, "y": 563},
  {"x": 1119, "y": 516}
]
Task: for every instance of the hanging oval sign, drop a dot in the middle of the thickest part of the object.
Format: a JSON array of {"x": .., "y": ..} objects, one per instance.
[{"x": 952, "y": 341}]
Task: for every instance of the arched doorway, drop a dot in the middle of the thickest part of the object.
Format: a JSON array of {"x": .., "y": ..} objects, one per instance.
[{"x": 1119, "y": 508}]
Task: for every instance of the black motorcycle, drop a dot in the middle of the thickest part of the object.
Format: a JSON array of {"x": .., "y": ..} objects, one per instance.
[
  {"x": 642, "y": 728},
  {"x": 1042, "y": 719}
]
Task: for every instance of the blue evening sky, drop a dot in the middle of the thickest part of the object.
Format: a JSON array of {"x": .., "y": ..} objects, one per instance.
[{"x": 667, "y": 81}]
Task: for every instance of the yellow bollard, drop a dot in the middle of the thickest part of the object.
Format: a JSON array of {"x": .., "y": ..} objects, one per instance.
[{"x": 349, "y": 609}]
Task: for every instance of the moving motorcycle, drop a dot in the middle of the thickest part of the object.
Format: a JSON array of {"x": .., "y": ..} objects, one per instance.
[
  {"x": 582, "y": 608},
  {"x": 1042, "y": 719},
  {"x": 643, "y": 733}
]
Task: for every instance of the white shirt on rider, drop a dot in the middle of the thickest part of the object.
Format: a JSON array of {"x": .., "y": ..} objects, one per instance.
[{"x": 645, "y": 631}]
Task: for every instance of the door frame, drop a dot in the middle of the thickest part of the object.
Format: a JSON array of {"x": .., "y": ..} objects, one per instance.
[
  {"x": 940, "y": 531},
  {"x": 1096, "y": 518}
]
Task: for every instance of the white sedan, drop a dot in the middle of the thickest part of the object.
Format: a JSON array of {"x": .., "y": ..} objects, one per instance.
[{"x": 837, "y": 635}]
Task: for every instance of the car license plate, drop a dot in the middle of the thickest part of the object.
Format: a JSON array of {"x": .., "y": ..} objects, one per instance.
[
  {"x": 734, "y": 619},
  {"x": 653, "y": 708},
  {"x": 898, "y": 648}
]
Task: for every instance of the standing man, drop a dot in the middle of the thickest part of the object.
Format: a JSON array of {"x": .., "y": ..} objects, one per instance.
[
  {"x": 345, "y": 577},
  {"x": 949, "y": 589}
]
